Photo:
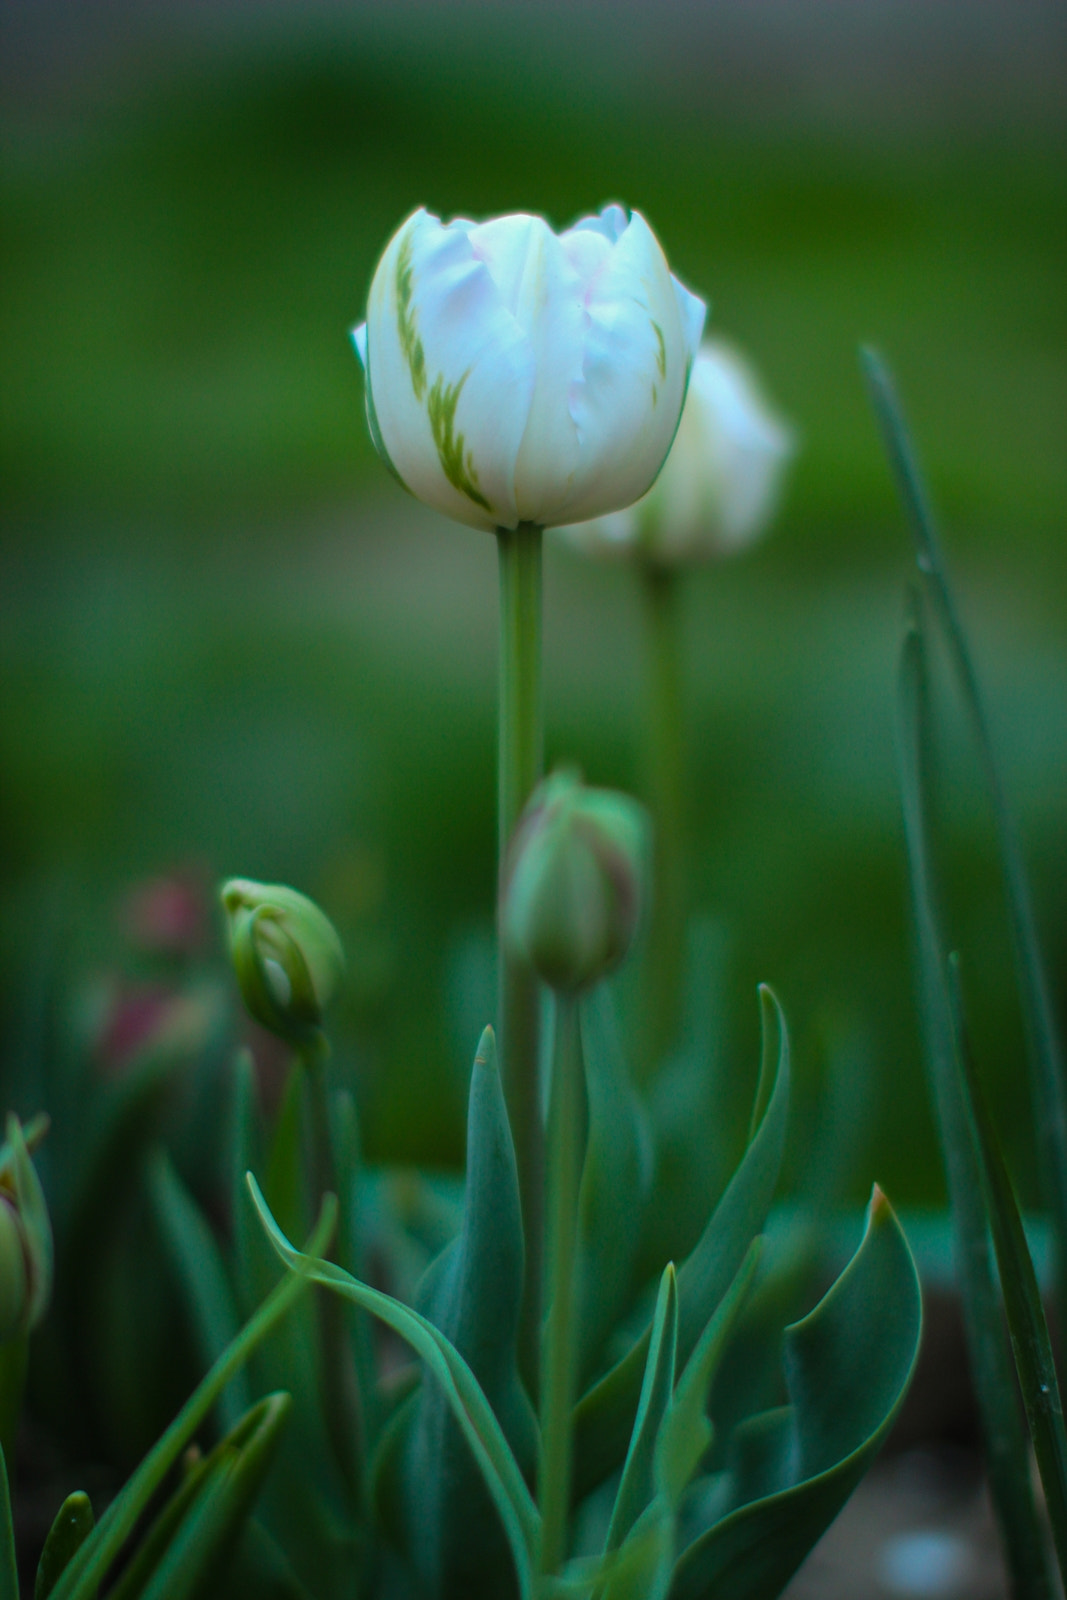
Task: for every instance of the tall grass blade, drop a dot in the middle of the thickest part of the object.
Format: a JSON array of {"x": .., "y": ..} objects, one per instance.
[
  {"x": 1022, "y": 1296},
  {"x": 1007, "y": 1455},
  {"x": 1047, "y": 1068}
]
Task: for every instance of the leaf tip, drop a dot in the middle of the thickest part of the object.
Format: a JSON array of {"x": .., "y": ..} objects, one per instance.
[{"x": 485, "y": 1055}]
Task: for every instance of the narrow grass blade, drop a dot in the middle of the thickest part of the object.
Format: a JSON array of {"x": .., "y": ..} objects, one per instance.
[
  {"x": 1047, "y": 1067},
  {"x": 1022, "y": 1296},
  {"x": 92, "y": 1561},
  {"x": 470, "y": 1408},
  {"x": 1007, "y": 1455}
]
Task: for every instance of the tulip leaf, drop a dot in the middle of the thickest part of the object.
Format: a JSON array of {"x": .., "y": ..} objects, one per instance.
[
  {"x": 68, "y": 1532},
  {"x": 848, "y": 1365},
  {"x": 685, "y": 1432},
  {"x": 196, "y": 1531},
  {"x": 9, "y": 1577},
  {"x": 206, "y": 1292},
  {"x": 636, "y": 1487},
  {"x": 604, "y": 1416},
  {"x": 473, "y": 1296},
  {"x": 615, "y": 1180},
  {"x": 1007, "y": 1450},
  {"x": 643, "y": 1567},
  {"x": 94, "y": 1558},
  {"x": 468, "y": 1404}
]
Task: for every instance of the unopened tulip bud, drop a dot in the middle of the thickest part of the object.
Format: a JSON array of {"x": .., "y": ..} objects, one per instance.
[
  {"x": 516, "y": 375},
  {"x": 575, "y": 881},
  {"x": 720, "y": 484},
  {"x": 25, "y": 1239},
  {"x": 286, "y": 954}
]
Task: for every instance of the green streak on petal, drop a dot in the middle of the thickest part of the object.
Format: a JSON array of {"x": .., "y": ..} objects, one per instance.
[
  {"x": 407, "y": 328},
  {"x": 441, "y": 406},
  {"x": 661, "y": 353}
]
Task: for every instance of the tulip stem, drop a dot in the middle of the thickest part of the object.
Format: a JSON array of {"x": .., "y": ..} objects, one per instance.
[
  {"x": 339, "y": 1387},
  {"x": 567, "y": 1130},
  {"x": 521, "y": 764},
  {"x": 665, "y": 784}
]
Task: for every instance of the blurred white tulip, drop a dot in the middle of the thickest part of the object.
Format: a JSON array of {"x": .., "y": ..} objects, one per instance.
[{"x": 720, "y": 485}]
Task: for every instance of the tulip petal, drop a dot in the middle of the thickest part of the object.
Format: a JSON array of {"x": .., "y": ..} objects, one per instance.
[
  {"x": 451, "y": 372},
  {"x": 545, "y": 294},
  {"x": 638, "y": 350}
]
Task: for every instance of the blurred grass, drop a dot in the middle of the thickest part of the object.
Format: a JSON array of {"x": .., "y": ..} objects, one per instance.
[{"x": 226, "y": 638}]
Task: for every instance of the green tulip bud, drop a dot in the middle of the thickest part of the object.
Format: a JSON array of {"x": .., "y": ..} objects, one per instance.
[
  {"x": 25, "y": 1239},
  {"x": 286, "y": 954},
  {"x": 575, "y": 881}
]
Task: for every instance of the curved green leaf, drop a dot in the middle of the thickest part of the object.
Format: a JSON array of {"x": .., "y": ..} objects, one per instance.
[
  {"x": 604, "y": 1416},
  {"x": 69, "y": 1531},
  {"x": 615, "y": 1179},
  {"x": 848, "y": 1365},
  {"x": 469, "y": 1406},
  {"x": 473, "y": 1296}
]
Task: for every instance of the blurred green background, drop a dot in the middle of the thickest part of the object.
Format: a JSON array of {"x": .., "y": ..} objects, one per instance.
[{"x": 230, "y": 642}]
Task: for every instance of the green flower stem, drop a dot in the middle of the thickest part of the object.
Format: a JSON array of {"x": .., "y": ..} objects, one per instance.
[
  {"x": 521, "y": 764},
  {"x": 567, "y": 1130},
  {"x": 340, "y": 1398},
  {"x": 665, "y": 786}
]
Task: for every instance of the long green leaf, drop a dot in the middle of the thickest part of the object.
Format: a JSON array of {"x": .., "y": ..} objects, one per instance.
[
  {"x": 473, "y": 1297},
  {"x": 1022, "y": 1296},
  {"x": 1048, "y": 1071},
  {"x": 92, "y": 1561},
  {"x": 637, "y": 1485},
  {"x": 1007, "y": 1453},
  {"x": 615, "y": 1178},
  {"x": 9, "y": 1576},
  {"x": 685, "y": 1433},
  {"x": 470, "y": 1408},
  {"x": 604, "y": 1416},
  {"x": 848, "y": 1366},
  {"x": 68, "y": 1533},
  {"x": 206, "y": 1292}
]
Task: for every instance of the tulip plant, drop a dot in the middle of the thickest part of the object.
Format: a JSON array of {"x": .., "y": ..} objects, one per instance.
[{"x": 536, "y": 1413}]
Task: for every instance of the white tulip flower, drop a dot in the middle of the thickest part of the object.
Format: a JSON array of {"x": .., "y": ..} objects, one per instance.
[
  {"x": 720, "y": 484},
  {"x": 516, "y": 375}
]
